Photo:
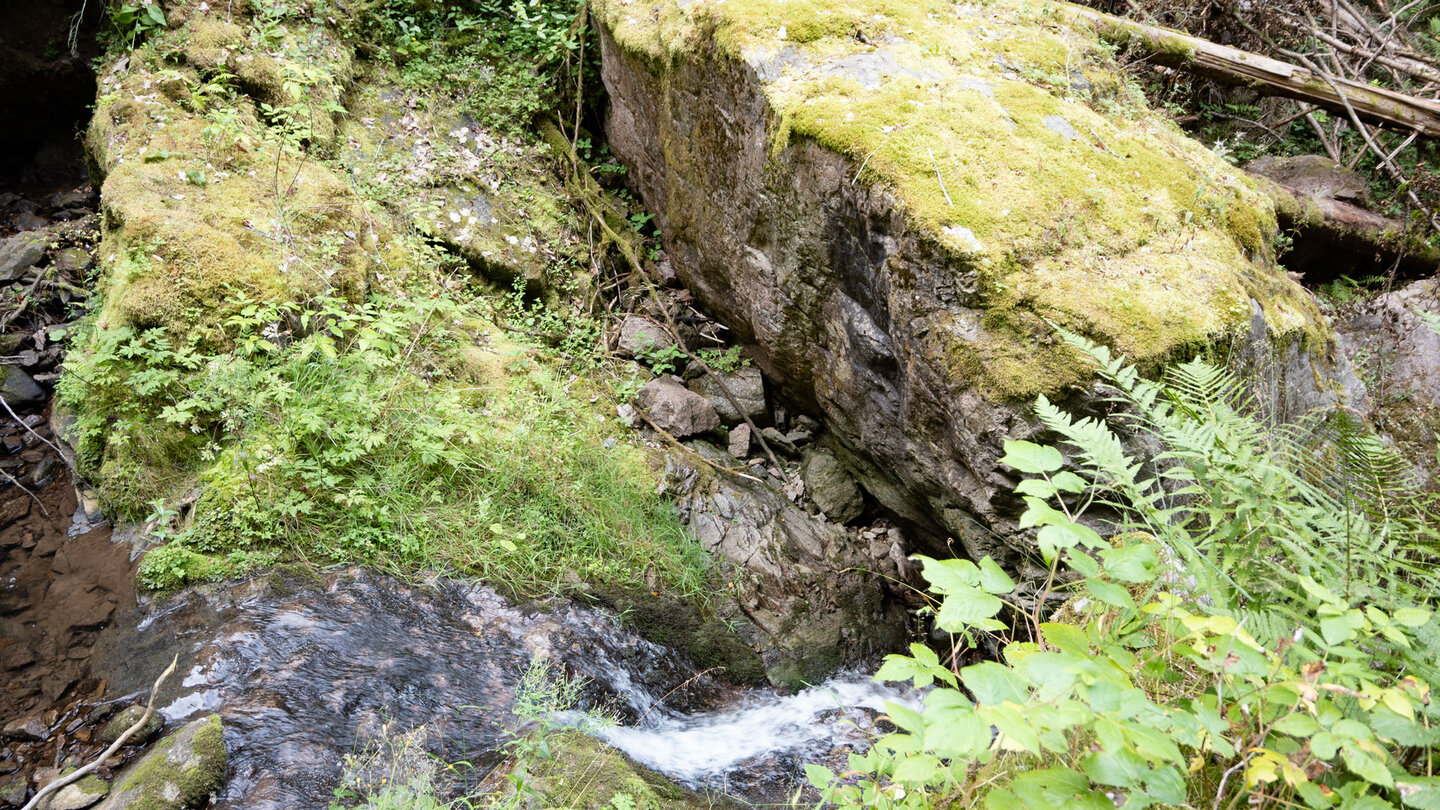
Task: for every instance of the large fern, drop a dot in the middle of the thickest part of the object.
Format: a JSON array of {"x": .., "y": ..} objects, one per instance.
[{"x": 1258, "y": 513}]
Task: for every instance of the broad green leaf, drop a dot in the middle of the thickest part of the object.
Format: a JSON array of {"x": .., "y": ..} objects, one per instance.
[
  {"x": 1339, "y": 629},
  {"x": 1367, "y": 767},
  {"x": 923, "y": 668},
  {"x": 1036, "y": 487},
  {"x": 917, "y": 769},
  {"x": 993, "y": 578},
  {"x": 1040, "y": 513},
  {"x": 1120, "y": 768},
  {"x": 1028, "y": 457},
  {"x": 1011, "y": 720},
  {"x": 955, "y": 731},
  {"x": 1132, "y": 563},
  {"x": 964, "y": 608},
  {"x": 1067, "y": 481},
  {"x": 993, "y": 683},
  {"x": 905, "y": 718},
  {"x": 1066, "y": 637},
  {"x": 949, "y": 576},
  {"x": 1411, "y": 616},
  {"x": 1166, "y": 784},
  {"x": 1059, "y": 788},
  {"x": 1082, "y": 563},
  {"x": 1110, "y": 593},
  {"x": 1420, "y": 792},
  {"x": 1298, "y": 724},
  {"x": 819, "y": 776}
]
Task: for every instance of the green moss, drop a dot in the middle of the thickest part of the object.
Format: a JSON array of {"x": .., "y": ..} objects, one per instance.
[
  {"x": 1105, "y": 220},
  {"x": 172, "y": 567},
  {"x": 709, "y": 642},
  {"x": 587, "y": 773}
]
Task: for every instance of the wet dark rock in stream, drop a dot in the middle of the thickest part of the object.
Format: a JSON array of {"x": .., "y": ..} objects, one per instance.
[{"x": 302, "y": 671}]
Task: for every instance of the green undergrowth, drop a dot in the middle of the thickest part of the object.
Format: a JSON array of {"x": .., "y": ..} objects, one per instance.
[
  {"x": 1250, "y": 622},
  {"x": 297, "y": 349},
  {"x": 405, "y": 432}
]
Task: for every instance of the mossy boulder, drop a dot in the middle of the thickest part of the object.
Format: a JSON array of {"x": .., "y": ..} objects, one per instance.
[
  {"x": 180, "y": 772},
  {"x": 128, "y": 717},
  {"x": 77, "y": 795},
  {"x": 892, "y": 203},
  {"x": 584, "y": 772}
]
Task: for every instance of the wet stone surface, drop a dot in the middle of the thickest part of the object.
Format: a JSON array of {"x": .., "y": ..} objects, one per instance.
[{"x": 300, "y": 669}]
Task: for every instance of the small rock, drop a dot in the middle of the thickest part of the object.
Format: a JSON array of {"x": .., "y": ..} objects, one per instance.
[
  {"x": 26, "y": 221},
  {"x": 831, "y": 488},
  {"x": 127, "y": 718},
  {"x": 19, "y": 253},
  {"x": 71, "y": 260},
  {"x": 40, "y": 473},
  {"x": 740, "y": 441},
  {"x": 676, "y": 409},
  {"x": 13, "y": 793},
  {"x": 638, "y": 335},
  {"x": 16, "y": 656},
  {"x": 777, "y": 441},
  {"x": 800, "y": 437},
  {"x": 627, "y": 414},
  {"x": 28, "y": 728},
  {"x": 75, "y": 197},
  {"x": 746, "y": 385},
  {"x": 20, "y": 390},
  {"x": 78, "y": 795}
]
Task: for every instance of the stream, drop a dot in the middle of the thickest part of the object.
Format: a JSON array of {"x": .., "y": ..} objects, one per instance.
[{"x": 302, "y": 670}]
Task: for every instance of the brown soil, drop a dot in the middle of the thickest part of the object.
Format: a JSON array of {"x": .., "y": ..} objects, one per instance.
[{"x": 56, "y": 593}]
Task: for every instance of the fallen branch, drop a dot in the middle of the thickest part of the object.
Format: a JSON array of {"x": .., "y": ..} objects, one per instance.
[
  {"x": 1266, "y": 75},
  {"x": 109, "y": 752}
]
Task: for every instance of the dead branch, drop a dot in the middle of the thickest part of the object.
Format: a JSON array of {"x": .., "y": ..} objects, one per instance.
[
  {"x": 109, "y": 752},
  {"x": 1267, "y": 75}
]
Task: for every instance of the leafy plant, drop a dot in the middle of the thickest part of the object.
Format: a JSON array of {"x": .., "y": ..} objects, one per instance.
[
  {"x": 132, "y": 22},
  {"x": 727, "y": 361},
  {"x": 1248, "y": 621},
  {"x": 357, "y": 431}
]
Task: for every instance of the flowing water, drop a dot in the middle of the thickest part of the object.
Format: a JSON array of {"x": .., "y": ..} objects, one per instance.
[{"x": 302, "y": 670}]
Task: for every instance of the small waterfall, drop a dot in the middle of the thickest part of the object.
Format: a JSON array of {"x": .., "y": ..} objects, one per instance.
[
  {"x": 299, "y": 674},
  {"x": 762, "y": 733}
]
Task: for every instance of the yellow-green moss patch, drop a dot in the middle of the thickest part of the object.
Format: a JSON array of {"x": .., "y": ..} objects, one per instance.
[{"x": 1094, "y": 213}]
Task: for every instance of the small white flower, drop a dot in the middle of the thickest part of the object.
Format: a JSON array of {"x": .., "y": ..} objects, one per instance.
[{"x": 455, "y": 217}]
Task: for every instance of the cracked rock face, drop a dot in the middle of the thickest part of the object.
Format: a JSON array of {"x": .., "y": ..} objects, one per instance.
[
  {"x": 809, "y": 586},
  {"x": 917, "y": 324}
]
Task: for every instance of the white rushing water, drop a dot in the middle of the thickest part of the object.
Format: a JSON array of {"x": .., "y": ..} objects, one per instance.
[{"x": 697, "y": 748}]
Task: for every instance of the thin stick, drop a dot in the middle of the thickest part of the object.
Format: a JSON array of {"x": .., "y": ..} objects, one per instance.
[
  {"x": 28, "y": 429},
  {"x": 115, "y": 746},
  {"x": 27, "y": 492},
  {"x": 939, "y": 177}
]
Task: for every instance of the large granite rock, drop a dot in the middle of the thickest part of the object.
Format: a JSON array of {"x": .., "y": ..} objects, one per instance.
[
  {"x": 891, "y": 207},
  {"x": 746, "y": 385},
  {"x": 810, "y": 587}
]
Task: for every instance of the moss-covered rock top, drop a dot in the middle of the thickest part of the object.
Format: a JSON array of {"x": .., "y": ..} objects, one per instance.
[{"x": 1010, "y": 135}]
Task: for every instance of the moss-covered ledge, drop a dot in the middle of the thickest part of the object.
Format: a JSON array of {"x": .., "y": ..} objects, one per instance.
[
  {"x": 895, "y": 202},
  {"x": 1006, "y": 135}
]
